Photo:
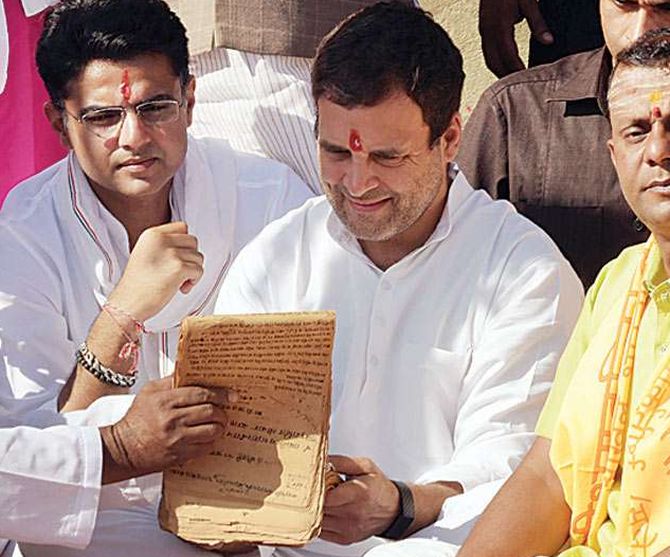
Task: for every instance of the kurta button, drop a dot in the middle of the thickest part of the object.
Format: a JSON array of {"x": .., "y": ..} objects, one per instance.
[{"x": 374, "y": 361}]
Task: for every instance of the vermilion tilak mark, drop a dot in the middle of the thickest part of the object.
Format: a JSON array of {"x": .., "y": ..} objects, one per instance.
[
  {"x": 355, "y": 143},
  {"x": 125, "y": 86},
  {"x": 655, "y": 98}
]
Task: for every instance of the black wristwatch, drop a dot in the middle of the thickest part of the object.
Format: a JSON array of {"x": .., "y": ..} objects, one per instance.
[{"x": 405, "y": 516}]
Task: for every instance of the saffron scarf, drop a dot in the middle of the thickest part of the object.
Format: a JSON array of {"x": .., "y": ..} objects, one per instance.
[{"x": 601, "y": 440}]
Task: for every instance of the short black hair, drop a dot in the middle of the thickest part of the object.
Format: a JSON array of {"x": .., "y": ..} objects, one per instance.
[
  {"x": 77, "y": 32},
  {"x": 390, "y": 47},
  {"x": 651, "y": 50}
]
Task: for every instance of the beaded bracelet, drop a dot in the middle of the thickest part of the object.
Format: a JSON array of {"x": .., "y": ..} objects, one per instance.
[{"x": 89, "y": 361}]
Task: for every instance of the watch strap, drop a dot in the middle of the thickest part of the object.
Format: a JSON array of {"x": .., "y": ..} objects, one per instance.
[{"x": 405, "y": 517}]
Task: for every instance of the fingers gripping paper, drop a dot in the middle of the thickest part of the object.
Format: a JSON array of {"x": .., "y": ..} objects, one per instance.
[{"x": 263, "y": 481}]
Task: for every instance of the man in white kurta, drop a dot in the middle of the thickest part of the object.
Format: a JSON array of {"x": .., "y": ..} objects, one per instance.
[
  {"x": 443, "y": 361},
  {"x": 452, "y": 310},
  {"x": 60, "y": 276},
  {"x": 137, "y": 213},
  {"x": 68, "y": 252}
]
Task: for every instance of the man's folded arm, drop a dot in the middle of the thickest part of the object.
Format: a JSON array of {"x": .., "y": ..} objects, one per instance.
[{"x": 53, "y": 476}]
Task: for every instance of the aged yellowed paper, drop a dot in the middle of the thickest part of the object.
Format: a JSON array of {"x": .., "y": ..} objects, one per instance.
[{"x": 263, "y": 482}]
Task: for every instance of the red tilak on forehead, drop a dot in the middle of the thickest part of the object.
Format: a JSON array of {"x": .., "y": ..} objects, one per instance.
[
  {"x": 355, "y": 143},
  {"x": 125, "y": 86},
  {"x": 656, "y": 113}
]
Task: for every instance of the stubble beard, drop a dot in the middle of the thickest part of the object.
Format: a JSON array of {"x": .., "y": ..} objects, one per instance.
[{"x": 405, "y": 209}]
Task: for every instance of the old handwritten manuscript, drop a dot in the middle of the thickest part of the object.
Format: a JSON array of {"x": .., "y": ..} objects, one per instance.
[{"x": 263, "y": 482}]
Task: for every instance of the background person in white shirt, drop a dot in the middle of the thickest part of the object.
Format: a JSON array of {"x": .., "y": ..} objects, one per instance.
[
  {"x": 105, "y": 252},
  {"x": 452, "y": 310}
]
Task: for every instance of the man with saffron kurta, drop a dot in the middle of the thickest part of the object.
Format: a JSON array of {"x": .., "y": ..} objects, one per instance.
[{"x": 597, "y": 481}]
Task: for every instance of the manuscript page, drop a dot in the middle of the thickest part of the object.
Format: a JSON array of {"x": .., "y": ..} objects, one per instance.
[{"x": 263, "y": 481}]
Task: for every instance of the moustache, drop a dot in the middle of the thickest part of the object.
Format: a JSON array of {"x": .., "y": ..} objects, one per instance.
[{"x": 372, "y": 195}]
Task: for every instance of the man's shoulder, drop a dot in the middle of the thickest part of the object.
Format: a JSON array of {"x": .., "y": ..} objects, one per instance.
[
  {"x": 495, "y": 230},
  {"x": 32, "y": 235},
  {"x": 29, "y": 199},
  {"x": 519, "y": 249},
  {"x": 534, "y": 81},
  {"x": 275, "y": 253},
  {"x": 608, "y": 292},
  {"x": 522, "y": 235},
  {"x": 614, "y": 278},
  {"x": 261, "y": 187},
  {"x": 499, "y": 216},
  {"x": 307, "y": 221},
  {"x": 253, "y": 171}
]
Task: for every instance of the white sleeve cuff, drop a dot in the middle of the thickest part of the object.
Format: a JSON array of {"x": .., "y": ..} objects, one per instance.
[
  {"x": 105, "y": 411},
  {"x": 80, "y": 525},
  {"x": 468, "y": 475},
  {"x": 460, "y": 513}
]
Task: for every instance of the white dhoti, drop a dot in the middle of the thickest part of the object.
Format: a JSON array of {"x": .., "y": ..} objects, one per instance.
[{"x": 260, "y": 104}]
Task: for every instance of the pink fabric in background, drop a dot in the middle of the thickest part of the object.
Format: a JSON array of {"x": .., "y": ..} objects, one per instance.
[{"x": 27, "y": 142}]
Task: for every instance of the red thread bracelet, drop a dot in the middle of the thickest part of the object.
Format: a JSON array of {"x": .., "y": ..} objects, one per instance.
[{"x": 132, "y": 331}]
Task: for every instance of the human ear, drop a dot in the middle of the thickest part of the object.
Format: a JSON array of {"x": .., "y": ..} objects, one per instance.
[
  {"x": 451, "y": 138},
  {"x": 55, "y": 117},
  {"x": 189, "y": 95},
  {"x": 610, "y": 146}
]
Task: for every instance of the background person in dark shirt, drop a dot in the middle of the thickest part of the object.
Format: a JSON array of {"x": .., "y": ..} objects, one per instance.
[
  {"x": 538, "y": 138},
  {"x": 559, "y": 28}
]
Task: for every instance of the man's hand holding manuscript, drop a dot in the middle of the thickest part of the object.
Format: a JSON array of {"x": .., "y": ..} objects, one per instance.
[{"x": 264, "y": 480}]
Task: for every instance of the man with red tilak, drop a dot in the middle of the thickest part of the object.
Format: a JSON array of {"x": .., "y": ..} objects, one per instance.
[
  {"x": 452, "y": 309},
  {"x": 596, "y": 481},
  {"x": 538, "y": 137},
  {"x": 103, "y": 254}
]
